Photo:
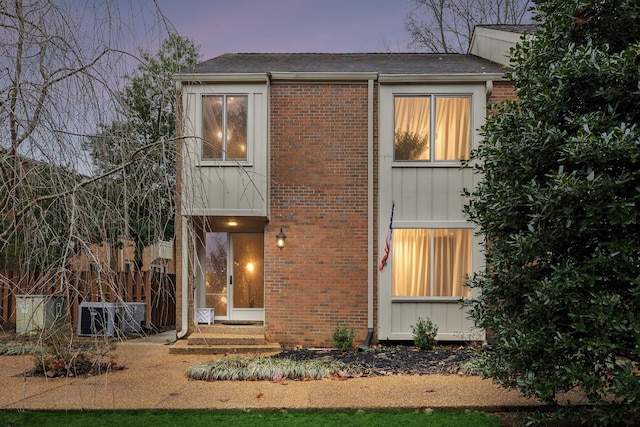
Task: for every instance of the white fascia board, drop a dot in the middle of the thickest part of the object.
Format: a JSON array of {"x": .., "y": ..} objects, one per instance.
[
  {"x": 439, "y": 78},
  {"x": 323, "y": 76},
  {"x": 223, "y": 77}
]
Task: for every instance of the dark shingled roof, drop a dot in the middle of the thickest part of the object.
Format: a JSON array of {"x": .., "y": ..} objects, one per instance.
[{"x": 381, "y": 63}]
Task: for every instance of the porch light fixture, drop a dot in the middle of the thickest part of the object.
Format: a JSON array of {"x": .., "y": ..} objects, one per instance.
[{"x": 280, "y": 237}]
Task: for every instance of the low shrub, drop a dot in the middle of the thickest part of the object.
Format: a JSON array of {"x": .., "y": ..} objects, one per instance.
[
  {"x": 343, "y": 338},
  {"x": 424, "y": 334}
]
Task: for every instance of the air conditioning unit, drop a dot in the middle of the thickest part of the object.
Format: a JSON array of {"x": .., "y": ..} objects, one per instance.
[
  {"x": 35, "y": 312},
  {"x": 99, "y": 318},
  {"x": 133, "y": 317}
]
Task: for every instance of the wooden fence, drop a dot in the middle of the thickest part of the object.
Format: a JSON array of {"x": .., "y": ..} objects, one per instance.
[{"x": 156, "y": 290}]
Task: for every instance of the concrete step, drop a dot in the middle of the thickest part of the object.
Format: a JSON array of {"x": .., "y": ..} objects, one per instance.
[
  {"x": 183, "y": 347},
  {"x": 237, "y": 339},
  {"x": 220, "y": 329}
]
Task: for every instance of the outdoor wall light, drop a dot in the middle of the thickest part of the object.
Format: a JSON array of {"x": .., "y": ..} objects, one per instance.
[{"x": 280, "y": 238}]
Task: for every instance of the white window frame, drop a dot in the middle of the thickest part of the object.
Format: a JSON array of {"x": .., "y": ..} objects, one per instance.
[
  {"x": 475, "y": 91},
  {"x": 433, "y": 111},
  {"x": 223, "y": 160},
  {"x": 435, "y": 225},
  {"x": 194, "y": 126}
]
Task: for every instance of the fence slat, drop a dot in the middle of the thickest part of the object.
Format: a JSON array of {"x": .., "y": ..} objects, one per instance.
[{"x": 157, "y": 290}]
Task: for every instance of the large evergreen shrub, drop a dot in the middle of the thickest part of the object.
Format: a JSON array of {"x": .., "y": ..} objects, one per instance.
[{"x": 559, "y": 204}]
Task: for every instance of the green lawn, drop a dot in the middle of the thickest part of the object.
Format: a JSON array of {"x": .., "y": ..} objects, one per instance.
[{"x": 246, "y": 418}]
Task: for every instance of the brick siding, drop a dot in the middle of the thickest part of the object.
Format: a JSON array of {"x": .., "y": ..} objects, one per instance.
[
  {"x": 319, "y": 197},
  {"x": 502, "y": 91}
]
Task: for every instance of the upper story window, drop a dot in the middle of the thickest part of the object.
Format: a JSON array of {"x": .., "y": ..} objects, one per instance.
[
  {"x": 224, "y": 127},
  {"x": 432, "y": 128}
]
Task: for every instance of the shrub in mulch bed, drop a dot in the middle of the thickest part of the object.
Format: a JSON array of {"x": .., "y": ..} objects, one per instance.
[
  {"x": 315, "y": 364},
  {"x": 397, "y": 359}
]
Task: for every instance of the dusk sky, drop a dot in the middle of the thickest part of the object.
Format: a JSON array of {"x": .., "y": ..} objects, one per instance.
[{"x": 232, "y": 26}]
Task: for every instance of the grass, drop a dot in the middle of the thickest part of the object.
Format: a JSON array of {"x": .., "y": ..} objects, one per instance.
[{"x": 247, "y": 418}]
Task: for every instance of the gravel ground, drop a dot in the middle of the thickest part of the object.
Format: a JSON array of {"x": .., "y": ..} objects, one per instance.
[{"x": 396, "y": 360}]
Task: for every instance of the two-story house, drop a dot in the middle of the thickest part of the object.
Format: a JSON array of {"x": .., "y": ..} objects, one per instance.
[{"x": 293, "y": 166}]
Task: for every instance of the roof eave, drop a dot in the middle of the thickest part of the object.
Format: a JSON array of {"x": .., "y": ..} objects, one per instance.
[
  {"x": 440, "y": 78},
  {"x": 323, "y": 76},
  {"x": 335, "y": 77},
  {"x": 222, "y": 77}
]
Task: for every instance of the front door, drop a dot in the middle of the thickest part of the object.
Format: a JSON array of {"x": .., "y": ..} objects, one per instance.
[
  {"x": 235, "y": 276},
  {"x": 246, "y": 279}
]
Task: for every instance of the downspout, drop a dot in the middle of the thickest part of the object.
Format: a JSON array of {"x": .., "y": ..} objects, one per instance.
[
  {"x": 185, "y": 282},
  {"x": 370, "y": 193},
  {"x": 489, "y": 89}
]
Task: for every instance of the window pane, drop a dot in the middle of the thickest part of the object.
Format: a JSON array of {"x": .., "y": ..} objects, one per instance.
[
  {"x": 415, "y": 267},
  {"x": 212, "y": 127},
  {"x": 237, "y": 127},
  {"x": 453, "y": 128},
  {"x": 410, "y": 262},
  {"x": 412, "y": 128},
  {"x": 452, "y": 262},
  {"x": 216, "y": 277},
  {"x": 248, "y": 271}
]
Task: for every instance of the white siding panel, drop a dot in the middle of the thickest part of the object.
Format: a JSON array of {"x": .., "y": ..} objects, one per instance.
[
  {"x": 452, "y": 320},
  {"x": 430, "y": 194},
  {"x": 424, "y": 196},
  {"x": 229, "y": 188}
]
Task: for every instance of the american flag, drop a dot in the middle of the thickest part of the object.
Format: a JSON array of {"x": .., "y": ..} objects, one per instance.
[{"x": 387, "y": 245}]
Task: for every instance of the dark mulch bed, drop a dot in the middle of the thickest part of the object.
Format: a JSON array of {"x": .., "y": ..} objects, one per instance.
[{"x": 396, "y": 360}]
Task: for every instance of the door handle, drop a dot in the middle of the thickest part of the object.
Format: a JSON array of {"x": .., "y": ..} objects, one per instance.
[{"x": 230, "y": 279}]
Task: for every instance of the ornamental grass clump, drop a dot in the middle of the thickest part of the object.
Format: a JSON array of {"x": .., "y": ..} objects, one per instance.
[
  {"x": 14, "y": 349},
  {"x": 268, "y": 369}
]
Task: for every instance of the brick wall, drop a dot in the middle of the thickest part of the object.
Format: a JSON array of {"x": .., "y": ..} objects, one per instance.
[
  {"x": 319, "y": 197},
  {"x": 502, "y": 90}
]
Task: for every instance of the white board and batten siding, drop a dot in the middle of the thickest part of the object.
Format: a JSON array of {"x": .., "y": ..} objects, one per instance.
[
  {"x": 425, "y": 196},
  {"x": 214, "y": 188},
  {"x": 494, "y": 44}
]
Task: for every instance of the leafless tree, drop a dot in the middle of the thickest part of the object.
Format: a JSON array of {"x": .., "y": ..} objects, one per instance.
[
  {"x": 446, "y": 26},
  {"x": 62, "y": 69}
]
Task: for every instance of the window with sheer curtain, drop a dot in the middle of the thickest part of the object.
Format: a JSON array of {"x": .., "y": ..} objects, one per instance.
[
  {"x": 224, "y": 127},
  {"x": 432, "y": 128},
  {"x": 431, "y": 262}
]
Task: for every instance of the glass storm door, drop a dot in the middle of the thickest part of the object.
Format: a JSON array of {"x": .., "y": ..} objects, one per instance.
[
  {"x": 235, "y": 275},
  {"x": 246, "y": 277}
]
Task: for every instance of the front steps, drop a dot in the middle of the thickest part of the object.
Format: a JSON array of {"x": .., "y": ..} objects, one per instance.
[{"x": 225, "y": 339}]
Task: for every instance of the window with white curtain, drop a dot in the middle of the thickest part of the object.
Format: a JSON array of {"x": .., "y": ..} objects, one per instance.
[
  {"x": 224, "y": 127},
  {"x": 431, "y": 262},
  {"x": 432, "y": 127}
]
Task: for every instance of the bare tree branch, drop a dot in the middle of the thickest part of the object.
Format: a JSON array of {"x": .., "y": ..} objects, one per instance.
[{"x": 446, "y": 26}]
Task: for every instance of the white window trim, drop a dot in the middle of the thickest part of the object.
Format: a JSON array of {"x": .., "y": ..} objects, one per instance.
[
  {"x": 474, "y": 90},
  {"x": 250, "y": 138},
  {"x": 432, "y": 162},
  {"x": 433, "y": 225},
  {"x": 193, "y": 125}
]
